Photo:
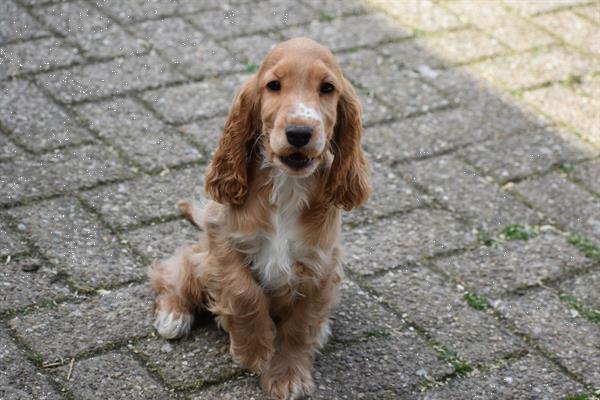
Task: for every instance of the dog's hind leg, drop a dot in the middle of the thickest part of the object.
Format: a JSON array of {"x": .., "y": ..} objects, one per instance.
[{"x": 179, "y": 291}]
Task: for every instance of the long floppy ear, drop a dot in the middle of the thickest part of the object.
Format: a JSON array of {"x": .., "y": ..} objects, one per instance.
[
  {"x": 348, "y": 182},
  {"x": 227, "y": 176}
]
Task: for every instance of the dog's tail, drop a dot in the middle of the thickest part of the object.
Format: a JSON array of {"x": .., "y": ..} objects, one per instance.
[{"x": 193, "y": 211}]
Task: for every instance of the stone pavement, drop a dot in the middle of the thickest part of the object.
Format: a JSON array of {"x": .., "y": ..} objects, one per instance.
[{"x": 473, "y": 272}]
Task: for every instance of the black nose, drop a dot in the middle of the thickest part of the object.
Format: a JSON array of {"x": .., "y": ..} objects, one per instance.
[{"x": 298, "y": 135}]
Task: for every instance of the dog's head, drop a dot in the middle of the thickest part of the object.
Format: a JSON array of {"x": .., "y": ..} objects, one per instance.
[{"x": 301, "y": 110}]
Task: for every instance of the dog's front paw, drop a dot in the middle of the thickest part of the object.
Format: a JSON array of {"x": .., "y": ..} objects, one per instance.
[
  {"x": 254, "y": 355},
  {"x": 287, "y": 382},
  {"x": 172, "y": 325}
]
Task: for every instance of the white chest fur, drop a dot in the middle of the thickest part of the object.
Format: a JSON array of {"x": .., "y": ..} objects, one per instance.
[{"x": 278, "y": 250}]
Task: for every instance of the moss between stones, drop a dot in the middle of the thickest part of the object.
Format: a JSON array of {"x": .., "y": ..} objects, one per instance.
[
  {"x": 518, "y": 232},
  {"x": 461, "y": 367},
  {"x": 477, "y": 302},
  {"x": 577, "y": 397},
  {"x": 251, "y": 67},
  {"x": 326, "y": 17},
  {"x": 587, "y": 313},
  {"x": 585, "y": 245}
]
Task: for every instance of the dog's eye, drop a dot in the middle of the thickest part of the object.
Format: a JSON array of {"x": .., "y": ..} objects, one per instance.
[
  {"x": 274, "y": 86},
  {"x": 326, "y": 88}
]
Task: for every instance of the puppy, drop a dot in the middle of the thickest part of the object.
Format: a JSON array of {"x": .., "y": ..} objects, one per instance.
[{"x": 268, "y": 264}]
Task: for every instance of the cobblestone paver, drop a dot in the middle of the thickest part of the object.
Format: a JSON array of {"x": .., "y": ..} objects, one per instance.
[{"x": 472, "y": 272}]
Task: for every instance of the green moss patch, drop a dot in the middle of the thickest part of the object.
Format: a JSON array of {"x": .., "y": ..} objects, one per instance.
[
  {"x": 477, "y": 302},
  {"x": 518, "y": 232}
]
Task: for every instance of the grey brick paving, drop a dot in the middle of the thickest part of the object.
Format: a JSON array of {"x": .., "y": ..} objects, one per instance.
[
  {"x": 333, "y": 8},
  {"x": 526, "y": 153},
  {"x": 143, "y": 138},
  {"x": 531, "y": 69},
  {"x": 135, "y": 10},
  {"x": 401, "y": 89},
  {"x": 553, "y": 324},
  {"x": 10, "y": 242},
  {"x": 350, "y": 32},
  {"x": 8, "y": 149},
  {"x": 358, "y": 315},
  {"x": 248, "y": 18},
  {"x": 70, "y": 237},
  {"x": 477, "y": 115},
  {"x": 409, "y": 54},
  {"x": 428, "y": 134},
  {"x": 37, "y": 55},
  {"x": 491, "y": 16},
  {"x": 59, "y": 171},
  {"x": 203, "y": 357},
  {"x": 565, "y": 202},
  {"x": 366, "y": 369},
  {"x": 240, "y": 388},
  {"x": 514, "y": 264},
  {"x": 67, "y": 329},
  {"x": 533, "y": 8},
  {"x": 159, "y": 241},
  {"x": 18, "y": 378},
  {"x": 138, "y": 201},
  {"x": 34, "y": 120},
  {"x": 97, "y": 35},
  {"x": 589, "y": 12},
  {"x": 584, "y": 287},
  {"x": 17, "y": 24},
  {"x": 390, "y": 194},
  {"x": 373, "y": 109},
  {"x": 585, "y": 36},
  {"x": 456, "y": 184},
  {"x": 495, "y": 108},
  {"x": 440, "y": 309},
  {"x": 362, "y": 370},
  {"x": 569, "y": 107},
  {"x": 468, "y": 45},
  {"x": 587, "y": 173},
  {"x": 112, "y": 77},
  {"x": 115, "y": 375},
  {"x": 28, "y": 281},
  {"x": 195, "y": 53},
  {"x": 531, "y": 378},
  {"x": 249, "y": 51},
  {"x": 423, "y": 232},
  {"x": 179, "y": 104},
  {"x": 205, "y": 132},
  {"x": 520, "y": 35},
  {"x": 421, "y": 16}
]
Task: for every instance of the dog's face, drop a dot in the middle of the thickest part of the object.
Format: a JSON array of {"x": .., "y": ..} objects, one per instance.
[
  {"x": 304, "y": 113},
  {"x": 300, "y": 85}
]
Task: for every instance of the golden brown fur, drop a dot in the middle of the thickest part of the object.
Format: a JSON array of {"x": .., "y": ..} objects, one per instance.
[{"x": 276, "y": 317}]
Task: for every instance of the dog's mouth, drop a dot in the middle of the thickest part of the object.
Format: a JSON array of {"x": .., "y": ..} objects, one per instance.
[{"x": 296, "y": 161}]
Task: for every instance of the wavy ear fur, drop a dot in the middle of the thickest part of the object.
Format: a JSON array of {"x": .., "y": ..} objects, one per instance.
[
  {"x": 227, "y": 176},
  {"x": 348, "y": 182}
]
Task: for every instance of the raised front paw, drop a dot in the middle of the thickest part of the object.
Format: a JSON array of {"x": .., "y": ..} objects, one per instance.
[{"x": 285, "y": 381}]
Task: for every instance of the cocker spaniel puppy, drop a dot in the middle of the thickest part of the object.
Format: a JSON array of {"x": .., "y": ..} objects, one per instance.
[{"x": 268, "y": 263}]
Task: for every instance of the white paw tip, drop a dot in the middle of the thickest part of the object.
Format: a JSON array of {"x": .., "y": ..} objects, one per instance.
[{"x": 171, "y": 325}]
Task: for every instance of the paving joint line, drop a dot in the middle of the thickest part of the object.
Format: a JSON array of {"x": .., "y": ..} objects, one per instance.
[
  {"x": 30, "y": 356},
  {"x": 442, "y": 351},
  {"x": 204, "y": 152},
  {"x": 49, "y": 28},
  {"x": 535, "y": 344}
]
